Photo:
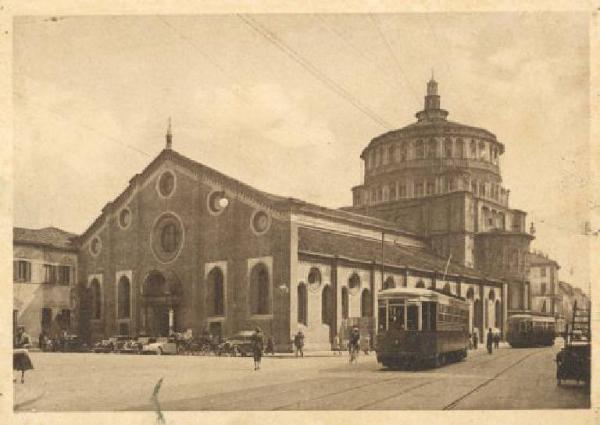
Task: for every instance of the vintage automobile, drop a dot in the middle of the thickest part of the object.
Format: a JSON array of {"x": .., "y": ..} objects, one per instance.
[
  {"x": 72, "y": 344},
  {"x": 104, "y": 346},
  {"x": 162, "y": 345},
  {"x": 574, "y": 360},
  {"x": 119, "y": 342},
  {"x": 239, "y": 344}
]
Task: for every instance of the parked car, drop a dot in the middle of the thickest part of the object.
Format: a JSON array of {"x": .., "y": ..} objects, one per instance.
[
  {"x": 104, "y": 346},
  {"x": 73, "y": 344},
  {"x": 119, "y": 341},
  {"x": 162, "y": 345},
  {"x": 240, "y": 343}
]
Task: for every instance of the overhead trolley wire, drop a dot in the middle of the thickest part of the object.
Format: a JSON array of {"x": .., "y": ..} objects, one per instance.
[{"x": 312, "y": 69}]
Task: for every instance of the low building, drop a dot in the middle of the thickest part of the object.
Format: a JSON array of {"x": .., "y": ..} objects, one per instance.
[
  {"x": 543, "y": 278},
  {"x": 44, "y": 276}
]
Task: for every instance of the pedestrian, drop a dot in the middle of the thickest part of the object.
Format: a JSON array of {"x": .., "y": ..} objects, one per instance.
[
  {"x": 21, "y": 360},
  {"x": 475, "y": 339},
  {"x": 257, "y": 347},
  {"x": 489, "y": 340},
  {"x": 42, "y": 341},
  {"x": 354, "y": 344},
  {"x": 336, "y": 346},
  {"x": 270, "y": 345},
  {"x": 367, "y": 344},
  {"x": 299, "y": 343},
  {"x": 497, "y": 340}
]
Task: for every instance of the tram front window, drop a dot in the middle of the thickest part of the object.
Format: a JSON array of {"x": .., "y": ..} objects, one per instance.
[
  {"x": 396, "y": 316},
  {"x": 412, "y": 317}
]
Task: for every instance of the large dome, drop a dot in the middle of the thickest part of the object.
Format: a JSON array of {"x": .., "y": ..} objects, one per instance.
[{"x": 430, "y": 157}]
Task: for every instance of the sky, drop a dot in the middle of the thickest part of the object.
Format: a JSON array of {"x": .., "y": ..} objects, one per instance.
[{"x": 286, "y": 103}]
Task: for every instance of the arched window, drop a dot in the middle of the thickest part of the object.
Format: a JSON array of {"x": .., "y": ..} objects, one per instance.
[
  {"x": 302, "y": 304},
  {"x": 447, "y": 289},
  {"x": 432, "y": 149},
  {"x": 492, "y": 295},
  {"x": 345, "y": 303},
  {"x": 354, "y": 283},
  {"x": 215, "y": 294},
  {"x": 96, "y": 299},
  {"x": 470, "y": 294},
  {"x": 326, "y": 305},
  {"x": 448, "y": 148},
  {"x": 259, "y": 290},
  {"x": 460, "y": 148},
  {"x": 366, "y": 304},
  {"x": 419, "y": 150},
  {"x": 389, "y": 283},
  {"x": 314, "y": 278},
  {"x": 124, "y": 298},
  {"x": 420, "y": 284}
]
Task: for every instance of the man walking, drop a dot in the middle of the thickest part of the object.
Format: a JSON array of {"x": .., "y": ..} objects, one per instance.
[
  {"x": 475, "y": 339},
  {"x": 299, "y": 343},
  {"x": 489, "y": 341},
  {"x": 257, "y": 347}
]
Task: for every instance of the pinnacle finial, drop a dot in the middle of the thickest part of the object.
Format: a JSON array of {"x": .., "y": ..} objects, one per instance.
[
  {"x": 432, "y": 73},
  {"x": 169, "y": 135}
]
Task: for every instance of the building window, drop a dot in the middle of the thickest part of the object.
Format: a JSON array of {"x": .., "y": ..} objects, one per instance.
[
  {"x": 215, "y": 293},
  {"x": 64, "y": 319},
  {"x": 314, "y": 279},
  {"x": 167, "y": 237},
  {"x": 95, "y": 246},
  {"x": 259, "y": 290},
  {"x": 96, "y": 295},
  {"x": 430, "y": 187},
  {"x": 432, "y": 149},
  {"x": 473, "y": 149},
  {"x": 543, "y": 271},
  {"x": 302, "y": 304},
  {"x": 166, "y": 184},
  {"x": 50, "y": 273},
  {"x": 403, "y": 153},
  {"x": 21, "y": 271},
  {"x": 389, "y": 283},
  {"x": 391, "y": 151},
  {"x": 124, "y": 298},
  {"x": 354, "y": 283},
  {"x": 380, "y": 194},
  {"x": 64, "y": 275},
  {"x": 402, "y": 190},
  {"x": 124, "y": 218},
  {"x": 446, "y": 288},
  {"x": 216, "y": 202},
  {"x": 393, "y": 193},
  {"x": 482, "y": 151},
  {"x": 544, "y": 306},
  {"x": 327, "y": 305},
  {"x": 420, "y": 284},
  {"x": 448, "y": 148},
  {"x": 418, "y": 189},
  {"x": 377, "y": 157},
  {"x": 460, "y": 148},
  {"x": 474, "y": 187},
  {"x": 451, "y": 184},
  {"x": 261, "y": 222},
  {"x": 366, "y": 304},
  {"x": 543, "y": 288},
  {"x": 419, "y": 149},
  {"x": 345, "y": 303}
]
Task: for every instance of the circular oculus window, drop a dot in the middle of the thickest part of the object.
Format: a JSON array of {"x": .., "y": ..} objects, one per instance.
[
  {"x": 217, "y": 202},
  {"x": 166, "y": 184},
  {"x": 260, "y": 222},
  {"x": 167, "y": 237},
  {"x": 95, "y": 246},
  {"x": 125, "y": 218}
]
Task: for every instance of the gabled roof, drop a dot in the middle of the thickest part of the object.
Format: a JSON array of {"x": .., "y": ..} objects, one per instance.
[
  {"x": 281, "y": 203},
  {"x": 48, "y": 237},
  {"x": 319, "y": 242},
  {"x": 537, "y": 259}
]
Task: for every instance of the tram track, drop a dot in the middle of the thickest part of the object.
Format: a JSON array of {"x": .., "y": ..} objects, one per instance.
[{"x": 455, "y": 402}]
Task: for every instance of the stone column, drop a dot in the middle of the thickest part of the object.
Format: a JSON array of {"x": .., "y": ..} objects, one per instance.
[{"x": 333, "y": 330}]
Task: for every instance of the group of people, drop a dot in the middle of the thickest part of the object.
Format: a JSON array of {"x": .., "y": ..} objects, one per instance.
[
  {"x": 258, "y": 347},
  {"x": 492, "y": 340}
]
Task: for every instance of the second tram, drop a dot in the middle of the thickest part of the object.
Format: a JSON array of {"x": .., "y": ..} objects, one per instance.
[
  {"x": 530, "y": 330},
  {"x": 421, "y": 327}
]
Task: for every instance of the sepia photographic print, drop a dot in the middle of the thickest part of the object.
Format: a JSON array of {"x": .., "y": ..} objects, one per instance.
[{"x": 264, "y": 215}]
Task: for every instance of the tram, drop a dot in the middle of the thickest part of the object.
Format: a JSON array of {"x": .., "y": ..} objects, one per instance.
[
  {"x": 420, "y": 328},
  {"x": 530, "y": 330}
]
